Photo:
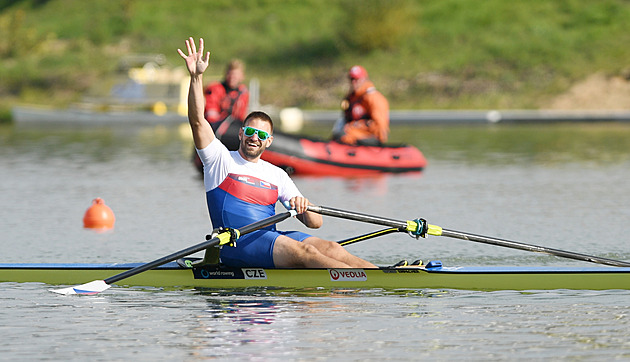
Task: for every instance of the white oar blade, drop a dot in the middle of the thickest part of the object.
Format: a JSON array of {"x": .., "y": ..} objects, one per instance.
[{"x": 94, "y": 287}]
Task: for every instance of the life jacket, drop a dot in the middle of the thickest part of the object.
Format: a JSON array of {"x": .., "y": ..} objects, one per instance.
[
  {"x": 226, "y": 102},
  {"x": 366, "y": 116},
  {"x": 230, "y": 99},
  {"x": 354, "y": 109}
]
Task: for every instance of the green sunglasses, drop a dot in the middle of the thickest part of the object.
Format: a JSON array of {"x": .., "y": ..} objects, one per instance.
[{"x": 250, "y": 131}]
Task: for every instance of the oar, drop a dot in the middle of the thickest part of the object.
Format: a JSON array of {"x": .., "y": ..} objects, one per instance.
[
  {"x": 420, "y": 227},
  {"x": 225, "y": 237}
]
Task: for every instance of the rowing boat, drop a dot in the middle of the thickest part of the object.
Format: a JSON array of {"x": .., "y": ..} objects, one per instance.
[
  {"x": 177, "y": 271},
  {"x": 431, "y": 276}
]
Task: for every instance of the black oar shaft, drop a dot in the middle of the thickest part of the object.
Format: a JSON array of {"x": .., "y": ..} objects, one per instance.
[
  {"x": 195, "y": 248},
  {"x": 534, "y": 248},
  {"x": 358, "y": 217}
]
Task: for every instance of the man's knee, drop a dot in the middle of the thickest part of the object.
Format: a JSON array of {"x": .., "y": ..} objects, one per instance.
[
  {"x": 307, "y": 250},
  {"x": 292, "y": 253},
  {"x": 323, "y": 245}
]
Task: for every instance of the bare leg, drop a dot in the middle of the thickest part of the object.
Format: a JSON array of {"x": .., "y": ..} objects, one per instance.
[
  {"x": 337, "y": 252},
  {"x": 289, "y": 253}
]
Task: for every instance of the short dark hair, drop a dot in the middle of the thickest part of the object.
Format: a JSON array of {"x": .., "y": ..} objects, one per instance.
[{"x": 258, "y": 115}]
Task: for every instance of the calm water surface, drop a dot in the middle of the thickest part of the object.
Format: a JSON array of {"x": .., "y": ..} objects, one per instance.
[{"x": 560, "y": 186}]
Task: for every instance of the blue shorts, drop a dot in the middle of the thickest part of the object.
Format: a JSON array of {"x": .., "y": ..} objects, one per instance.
[{"x": 256, "y": 249}]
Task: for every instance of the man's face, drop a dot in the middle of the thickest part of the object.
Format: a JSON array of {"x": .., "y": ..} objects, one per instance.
[
  {"x": 356, "y": 83},
  {"x": 252, "y": 147}
]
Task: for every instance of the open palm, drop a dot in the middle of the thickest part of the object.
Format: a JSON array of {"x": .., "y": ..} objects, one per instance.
[{"x": 195, "y": 61}]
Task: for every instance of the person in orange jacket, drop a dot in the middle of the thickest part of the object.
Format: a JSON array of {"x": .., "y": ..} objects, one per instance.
[{"x": 365, "y": 118}]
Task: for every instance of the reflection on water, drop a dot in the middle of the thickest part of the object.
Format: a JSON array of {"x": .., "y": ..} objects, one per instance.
[
  {"x": 240, "y": 311},
  {"x": 333, "y": 293},
  {"x": 125, "y": 323},
  {"x": 375, "y": 325},
  {"x": 291, "y": 322}
]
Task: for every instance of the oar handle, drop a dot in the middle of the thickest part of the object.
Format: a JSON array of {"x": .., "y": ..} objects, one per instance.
[{"x": 223, "y": 238}]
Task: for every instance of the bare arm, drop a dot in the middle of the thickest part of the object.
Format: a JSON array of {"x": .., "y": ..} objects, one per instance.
[{"x": 197, "y": 64}]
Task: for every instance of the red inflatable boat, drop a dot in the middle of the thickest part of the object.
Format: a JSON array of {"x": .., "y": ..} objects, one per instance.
[{"x": 299, "y": 155}]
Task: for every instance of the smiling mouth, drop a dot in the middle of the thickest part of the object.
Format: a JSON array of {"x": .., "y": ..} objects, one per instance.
[{"x": 253, "y": 145}]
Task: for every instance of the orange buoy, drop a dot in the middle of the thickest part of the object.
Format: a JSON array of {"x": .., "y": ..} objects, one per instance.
[{"x": 99, "y": 216}]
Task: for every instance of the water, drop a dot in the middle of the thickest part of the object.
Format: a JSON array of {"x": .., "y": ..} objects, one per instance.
[{"x": 560, "y": 186}]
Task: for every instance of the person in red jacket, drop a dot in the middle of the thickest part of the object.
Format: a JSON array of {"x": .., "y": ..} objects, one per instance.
[
  {"x": 365, "y": 118},
  {"x": 227, "y": 104}
]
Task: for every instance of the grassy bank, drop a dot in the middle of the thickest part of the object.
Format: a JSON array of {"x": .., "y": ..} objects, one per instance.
[{"x": 430, "y": 54}]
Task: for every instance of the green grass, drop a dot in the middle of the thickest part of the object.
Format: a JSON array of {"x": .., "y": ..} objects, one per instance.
[{"x": 422, "y": 54}]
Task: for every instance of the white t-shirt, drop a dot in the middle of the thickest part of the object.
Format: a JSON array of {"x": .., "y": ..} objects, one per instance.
[{"x": 252, "y": 184}]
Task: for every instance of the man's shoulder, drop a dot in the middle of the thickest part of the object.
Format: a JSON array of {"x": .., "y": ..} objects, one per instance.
[
  {"x": 373, "y": 95},
  {"x": 215, "y": 149}
]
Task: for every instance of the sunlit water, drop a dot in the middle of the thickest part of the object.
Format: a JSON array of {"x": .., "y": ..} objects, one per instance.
[{"x": 558, "y": 186}]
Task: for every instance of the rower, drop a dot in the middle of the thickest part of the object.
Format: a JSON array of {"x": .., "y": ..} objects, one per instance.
[{"x": 241, "y": 188}]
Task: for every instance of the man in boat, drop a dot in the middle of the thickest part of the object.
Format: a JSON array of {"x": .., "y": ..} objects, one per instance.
[
  {"x": 365, "y": 118},
  {"x": 241, "y": 189},
  {"x": 226, "y": 104}
]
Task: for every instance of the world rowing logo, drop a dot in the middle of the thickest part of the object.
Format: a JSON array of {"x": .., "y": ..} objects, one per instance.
[{"x": 346, "y": 275}]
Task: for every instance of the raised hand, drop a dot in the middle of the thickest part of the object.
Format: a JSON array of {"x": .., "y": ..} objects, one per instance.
[
  {"x": 195, "y": 61},
  {"x": 197, "y": 64}
]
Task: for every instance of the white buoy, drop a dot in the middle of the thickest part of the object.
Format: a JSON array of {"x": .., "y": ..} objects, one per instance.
[
  {"x": 291, "y": 120},
  {"x": 493, "y": 116}
]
